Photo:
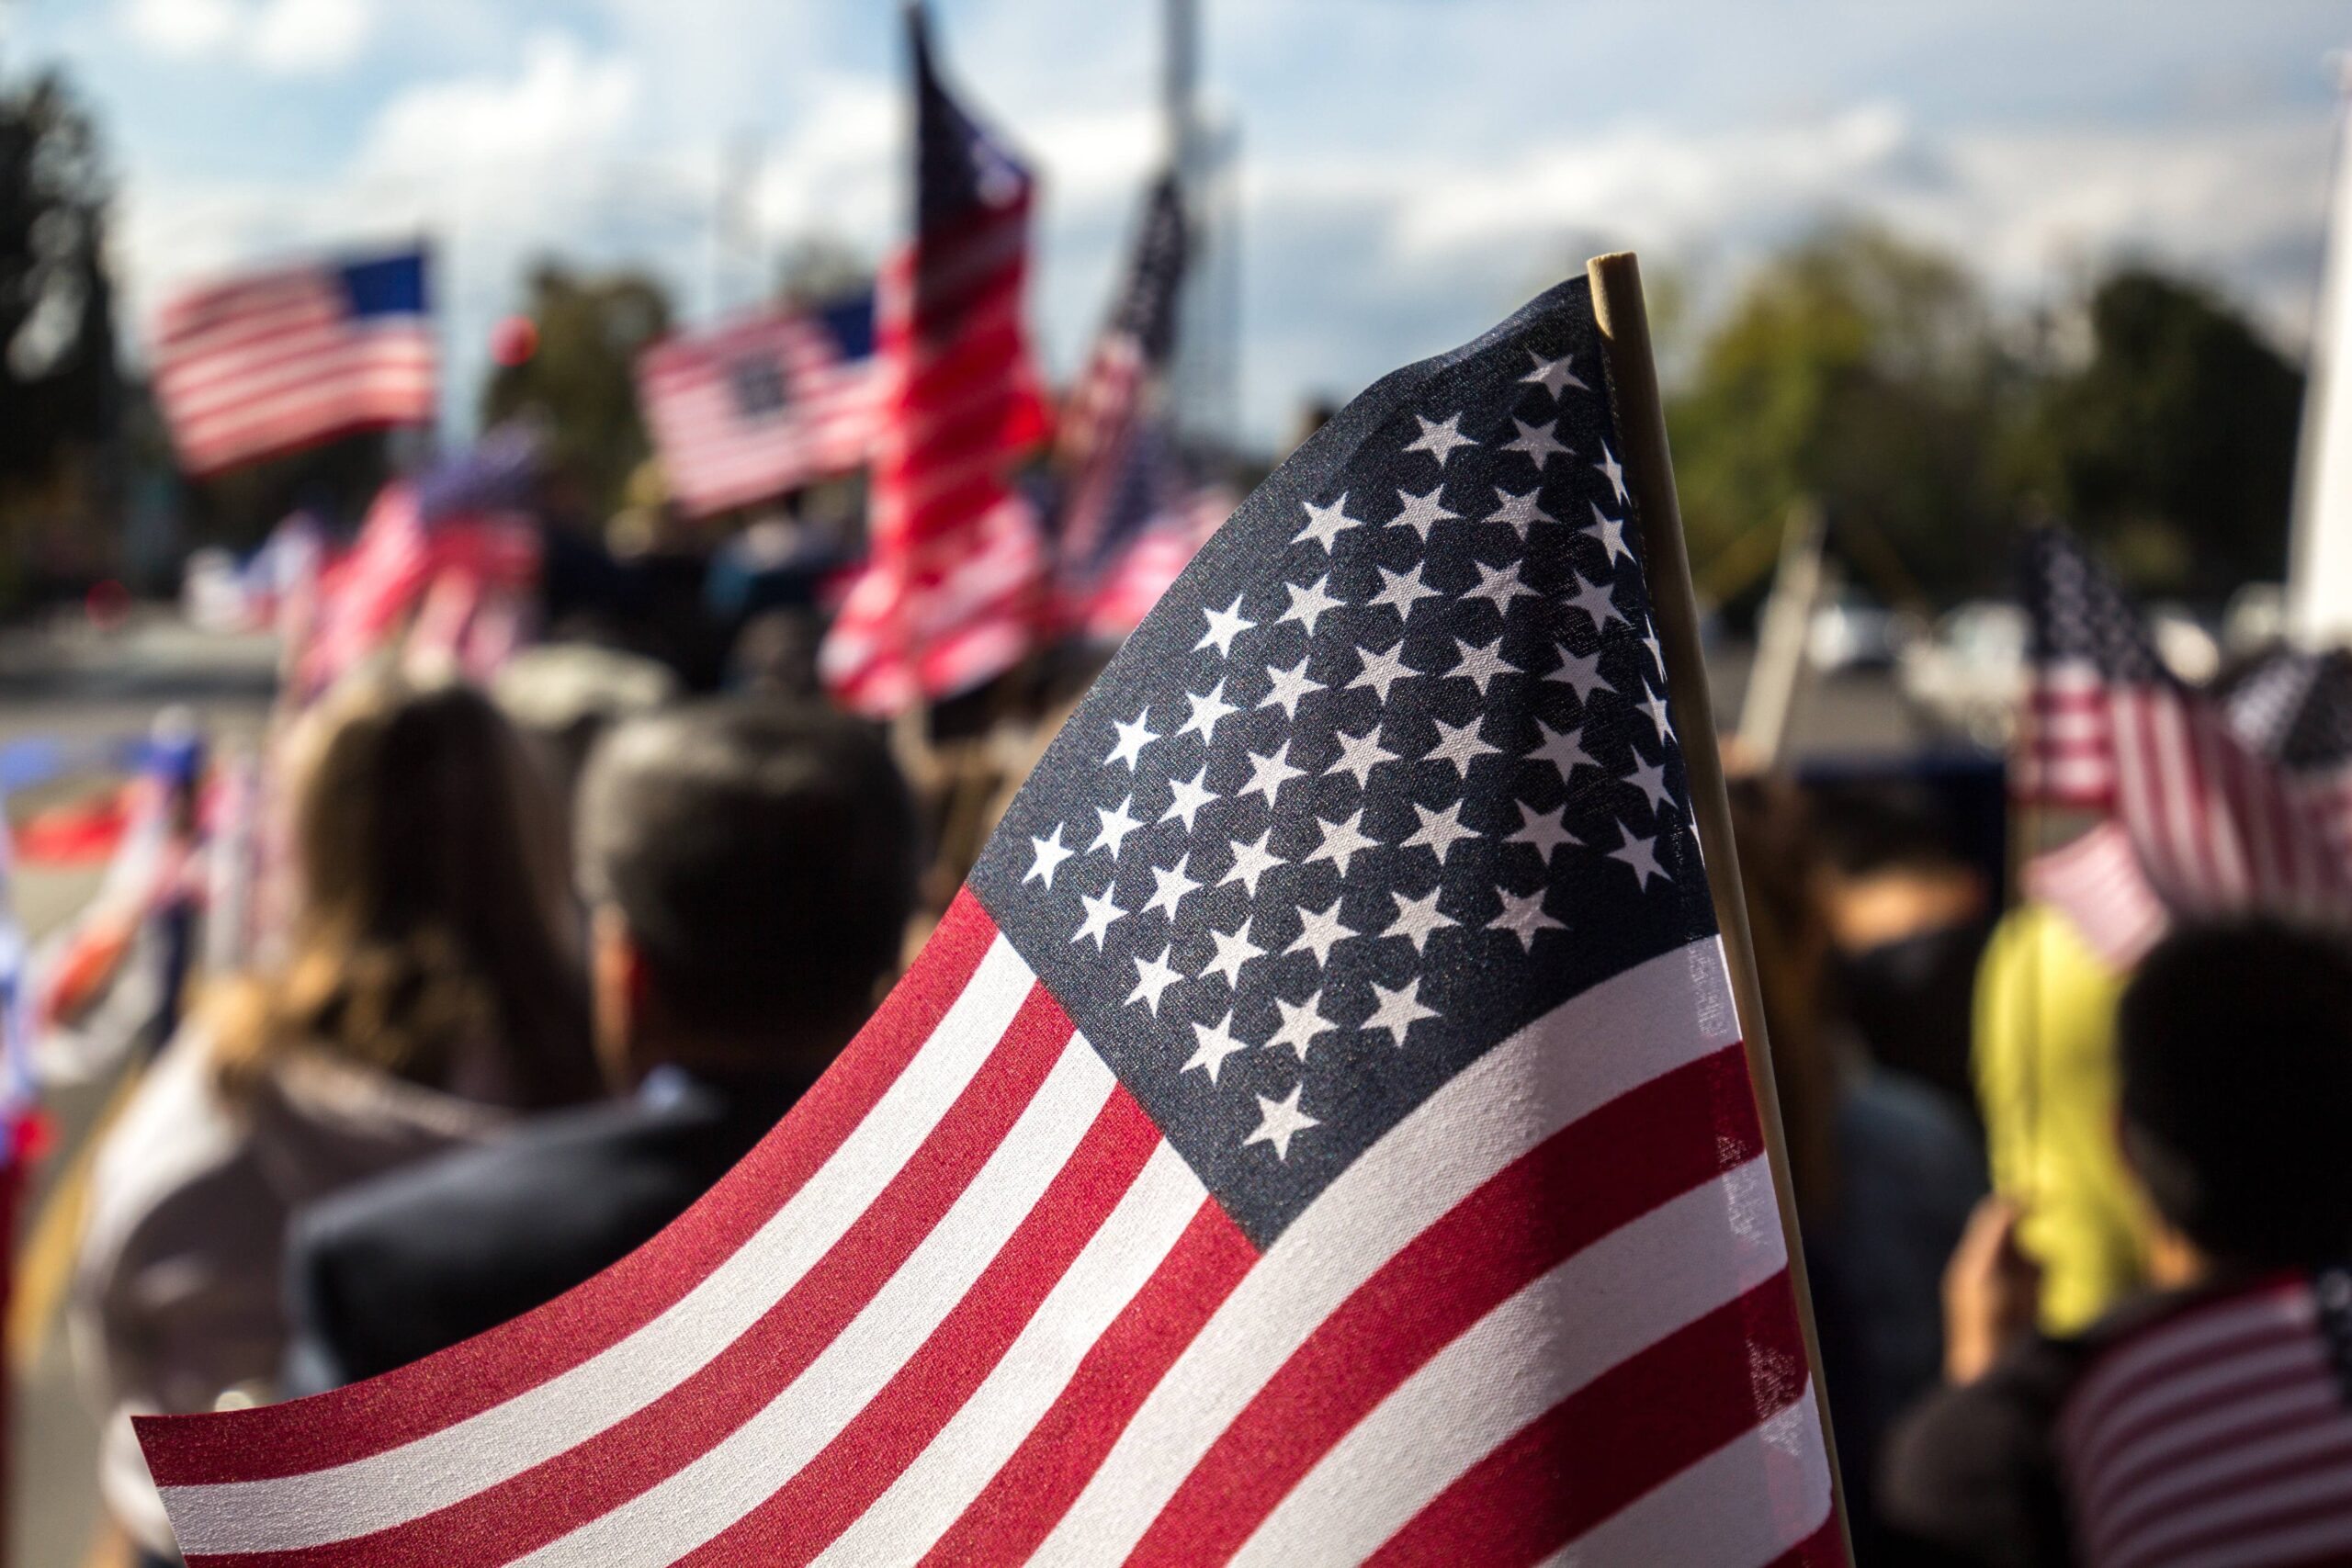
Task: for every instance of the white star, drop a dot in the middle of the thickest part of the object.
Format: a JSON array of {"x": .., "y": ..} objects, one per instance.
[
  {"x": 1649, "y": 640},
  {"x": 1216, "y": 1044},
  {"x": 1460, "y": 747},
  {"x": 1422, "y": 512},
  {"x": 1359, "y": 754},
  {"x": 1318, "y": 930},
  {"x": 1050, "y": 855},
  {"x": 1417, "y": 919},
  {"x": 1224, "y": 627},
  {"x": 1399, "y": 1011},
  {"x": 1524, "y": 917},
  {"x": 1100, "y": 913},
  {"x": 1553, "y": 375},
  {"x": 1289, "y": 686},
  {"x": 1170, "y": 885},
  {"x": 1479, "y": 666},
  {"x": 1342, "y": 842},
  {"x": 1564, "y": 749},
  {"x": 1545, "y": 832},
  {"x": 1641, "y": 854},
  {"x": 1653, "y": 706},
  {"x": 1596, "y": 600},
  {"x": 1153, "y": 976},
  {"x": 1190, "y": 796},
  {"x": 1279, "y": 1121},
  {"x": 1117, "y": 826},
  {"x": 1208, "y": 708},
  {"x": 1402, "y": 589},
  {"x": 1132, "y": 738},
  {"x": 1439, "y": 438},
  {"x": 1326, "y": 524},
  {"x": 1650, "y": 778},
  {"x": 1609, "y": 534},
  {"x": 1609, "y": 466},
  {"x": 1439, "y": 830},
  {"x": 1301, "y": 1024},
  {"x": 1582, "y": 673},
  {"x": 1500, "y": 585},
  {"x": 1539, "y": 442},
  {"x": 1308, "y": 604},
  {"x": 1233, "y": 949},
  {"x": 1251, "y": 861},
  {"x": 1268, "y": 774},
  {"x": 1521, "y": 512},
  {"x": 1381, "y": 670}
]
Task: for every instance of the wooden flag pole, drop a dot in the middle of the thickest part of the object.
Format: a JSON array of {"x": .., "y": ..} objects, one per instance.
[{"x": 1616, "y": 281}]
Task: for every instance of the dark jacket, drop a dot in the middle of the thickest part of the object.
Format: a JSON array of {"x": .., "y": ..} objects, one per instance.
[{"x": 395, "y": 1269}]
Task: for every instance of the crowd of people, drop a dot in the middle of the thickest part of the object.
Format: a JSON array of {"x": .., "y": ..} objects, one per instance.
[{"x": 490, "y": 1061}]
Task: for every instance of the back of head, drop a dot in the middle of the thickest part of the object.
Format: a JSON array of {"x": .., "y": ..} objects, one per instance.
[
  {"x": 433, "y": 928},
  {"x": 2236, "y": 1042},
  {"x": 762, "y": 854}
]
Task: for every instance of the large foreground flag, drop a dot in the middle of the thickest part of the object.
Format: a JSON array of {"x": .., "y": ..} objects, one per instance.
[
  {"x": 949, "y": 598},
  {"x": 760, "y": 406},
  {"x": 1320, "y": 1133},
  {"x": 2232, "y": 798},
  {"x": 277, "y": 360}
]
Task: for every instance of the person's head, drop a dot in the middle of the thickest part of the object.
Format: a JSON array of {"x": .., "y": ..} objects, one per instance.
[
  {"x": 751, "y": 864},
  {"x": 432, "y": 930},
  {"x": 2236, "y": 1048}
]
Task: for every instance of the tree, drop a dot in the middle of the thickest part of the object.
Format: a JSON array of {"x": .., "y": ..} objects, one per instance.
[
  {"x": 580, "y": 381},
  {"x": 1859, "y": 372},
  {"x": 57, "y": 350},
  {"x": 2174, "y": 443}
]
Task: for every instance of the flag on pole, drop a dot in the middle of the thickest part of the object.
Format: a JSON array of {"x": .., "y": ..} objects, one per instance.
[
  {"x": 949, "y": 597},
  {"x": 274, "y": 361},
  {"x": 2232, "y": 798},
  {"x": 1319, "y": 1131},
  {"x": 763, "y": 405}
]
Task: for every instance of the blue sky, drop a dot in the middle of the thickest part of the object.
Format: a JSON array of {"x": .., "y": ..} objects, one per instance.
[{"x": 1409, "y": 168}]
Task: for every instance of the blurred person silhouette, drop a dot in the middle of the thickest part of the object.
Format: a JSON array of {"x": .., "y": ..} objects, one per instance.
[
  {"x": 2209, "y": 1416},
  {"x": 1884, "y": 1170},
  {"x": 751, "y": 865},
  {"x": 431, "y": 987}
]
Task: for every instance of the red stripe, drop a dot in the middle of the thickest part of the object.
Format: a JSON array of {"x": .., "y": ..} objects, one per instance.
[
  {"x": 276, "y": 443},
  {"x": 1642, "y": 1148},
  {"x": 1637, "y": 1425},
  {"x": 1026, "y": 1499},
  {"x": 444, "y": 1389},
  {"x": 2187, "y": 1547},
  {"x": 828, "y": 1493},
  {"x": 2153, "y": 1502},
  {"x": 517, "y": 1515}
]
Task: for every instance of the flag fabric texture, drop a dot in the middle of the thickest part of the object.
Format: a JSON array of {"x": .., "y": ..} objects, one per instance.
[
  {"x": 950, "y": 595},
  {"x": 462, "y": 576},
  {"x": 2232, "y": 798},
  {"x": 1319, "y": 1131},
  {"x": 2153, "y": 1444},
  {"x": 2096, "y": 882},
  {"x": 277, "y": 360},
  {"x": 764, "y": 405}
]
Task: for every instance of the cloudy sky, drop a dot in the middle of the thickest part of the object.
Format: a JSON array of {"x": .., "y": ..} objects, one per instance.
[{"x": 1408, "y": 168}]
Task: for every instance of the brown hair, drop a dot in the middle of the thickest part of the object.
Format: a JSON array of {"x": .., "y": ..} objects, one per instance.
[{"x": 432, "y": 914}]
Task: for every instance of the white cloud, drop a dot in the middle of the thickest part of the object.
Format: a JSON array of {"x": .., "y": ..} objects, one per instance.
[
  {"x": 291, "y": 38},
  {"x": 298, "y": 37},
  {"x": 561, "y": 104},
  {"x": 181, "y": 28}
]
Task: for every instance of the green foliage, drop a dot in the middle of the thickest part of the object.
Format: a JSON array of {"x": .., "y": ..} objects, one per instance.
[
  {"x": 579, "y": 384},
  {"x": 2174, "y": 444},
  {"x": 57, "y": 354}
]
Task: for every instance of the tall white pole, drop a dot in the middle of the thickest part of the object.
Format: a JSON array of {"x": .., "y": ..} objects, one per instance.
[{"x": 2319, "y": 573}]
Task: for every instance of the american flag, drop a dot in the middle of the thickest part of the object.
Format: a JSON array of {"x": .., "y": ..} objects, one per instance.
[
  {"x": 277, "y": 360},
  {"x": 949, "y": 598},
  {"x": 2233, "y": 797},
  {"x": 1318, "y": 1133},
  {"x": 764, "y": 405},
  {"x": 2096, "y": 882},
  {"x": 2220, "y": 1433}
]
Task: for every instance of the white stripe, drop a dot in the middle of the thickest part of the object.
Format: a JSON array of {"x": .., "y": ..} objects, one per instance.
[
  {"x": 2190, "y": 1343},
  {"x": 449, "y": 1465},
  {"x": 2293, "y": 1544},
  {"x": 1739, "y": 1507},
  {"x": 749, "y": 1464},
  {"x": 1673, "y": 1009},
  {"x": 2252, "y": 1509},
  {"x": 2241, "y": 1460},
  {"x": 1608, "y": 1301},
  {"x": 2157, "y": 1403},
  {"x": 2124, "y": 1468},
  {"x": 933, "y": 1492}
]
